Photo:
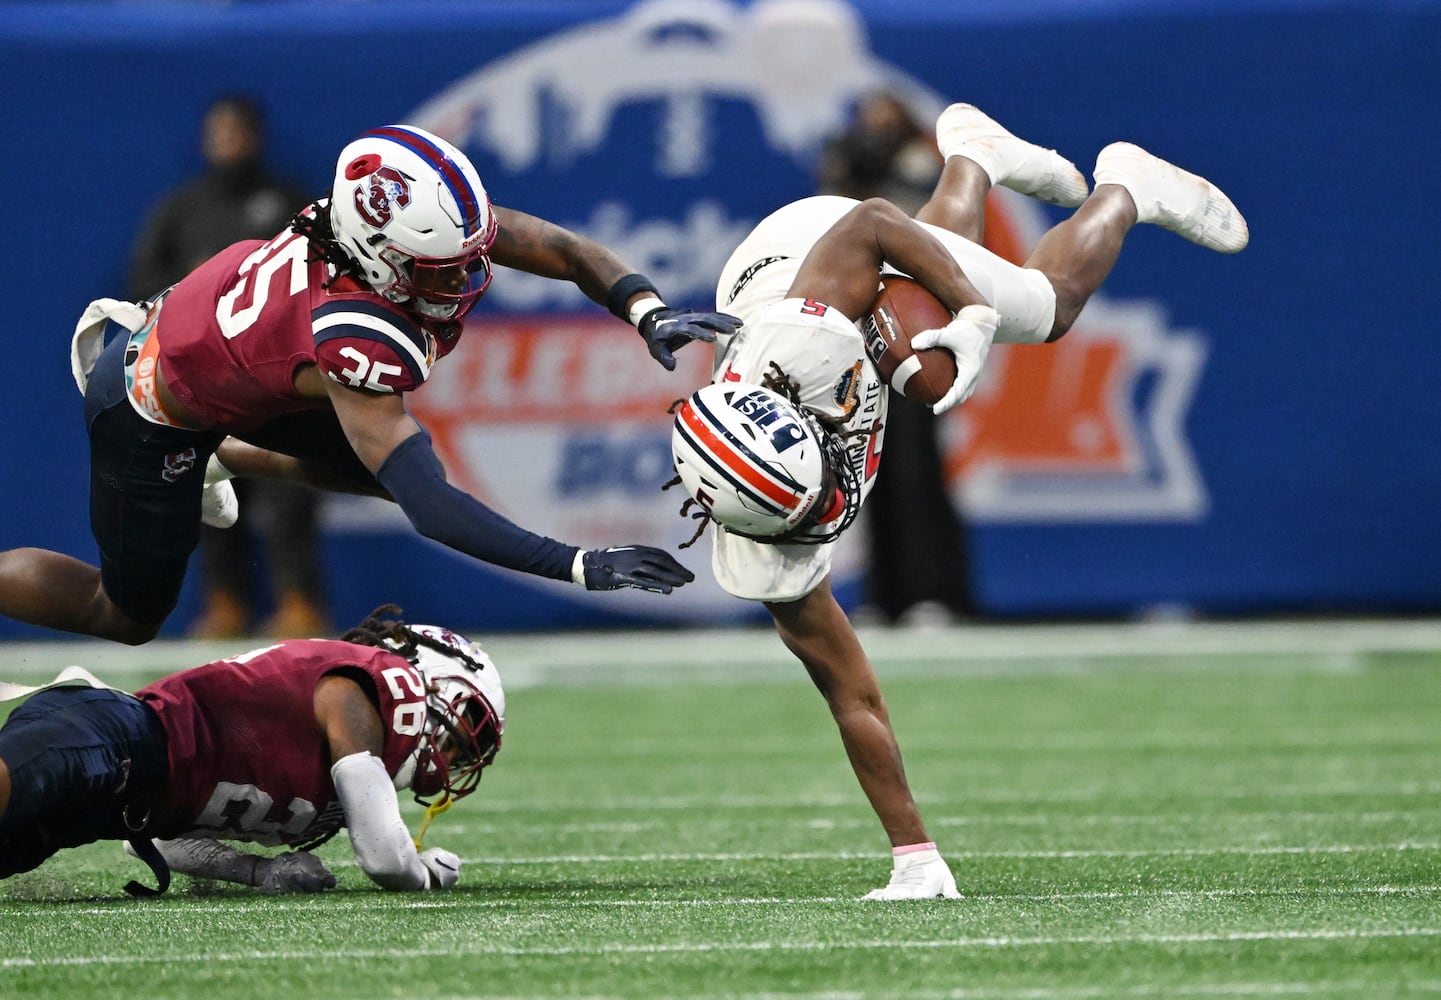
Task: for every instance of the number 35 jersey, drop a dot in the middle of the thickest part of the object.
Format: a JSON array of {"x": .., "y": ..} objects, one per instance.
[
  {"x": 248, "y": 760},
  {"x": 233, "y": 332}
]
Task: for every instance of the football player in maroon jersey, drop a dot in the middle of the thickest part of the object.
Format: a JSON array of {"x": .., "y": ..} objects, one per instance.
[
  {"x": 280, "y": 746},
  {"x": 297, "y": 352}
]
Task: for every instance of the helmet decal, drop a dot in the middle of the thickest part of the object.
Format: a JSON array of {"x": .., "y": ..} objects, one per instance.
[
  {"x": 409, "y": 213},
  {"x": 465, "y": 714},
  {"x": 764, "y": 483},
  {"x": 362, "y": 165},
  {"x": 384, "y": 191},
  {"x": 471, "y": 205},
  {"x": 755, "y": 462}
]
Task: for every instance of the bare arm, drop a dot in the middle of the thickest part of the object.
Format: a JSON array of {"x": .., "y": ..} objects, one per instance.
[
  {"x": 347, "y": 718},
  {"x": 843, "y": 268},
  {"x": 243, "y": 459},
  {"x": 540, "y": 247},
  {"x": 374, "y": 423},
  {"x": 817, "y": 631},
  {"x": 532, "y": 244}
]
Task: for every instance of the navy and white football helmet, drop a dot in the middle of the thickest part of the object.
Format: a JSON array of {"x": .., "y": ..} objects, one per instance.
[
  {"x": 410, "y": 210},
  {"x": 762, "y": 467},
  {"x": 465, "y": 713}
]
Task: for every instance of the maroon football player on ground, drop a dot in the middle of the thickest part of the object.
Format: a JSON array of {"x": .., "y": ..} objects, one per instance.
[
  {"x": 280, "y": 746},
  {"x": 781, "y": 449},
  {"x": 293, "y": 358}
]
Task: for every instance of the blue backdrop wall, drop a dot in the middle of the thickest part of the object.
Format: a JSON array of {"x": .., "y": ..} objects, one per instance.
[{"x": 1291, "y": 465}]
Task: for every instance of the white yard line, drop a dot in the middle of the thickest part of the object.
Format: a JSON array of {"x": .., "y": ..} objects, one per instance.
[
  {"x": 722, "y": 655},
  {"x": 472, "y": 948},
  {"x": 379, "y": 905}
]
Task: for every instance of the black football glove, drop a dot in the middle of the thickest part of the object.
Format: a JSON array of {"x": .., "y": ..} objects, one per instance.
[
  {"x": 638, "y": 566},
  {"x": 666, "y": 330}
]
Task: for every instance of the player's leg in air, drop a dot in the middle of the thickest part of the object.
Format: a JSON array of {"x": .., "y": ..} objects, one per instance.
[
  {"x": 1132, "y": 186},
  {"x": 146, "y": 482}
]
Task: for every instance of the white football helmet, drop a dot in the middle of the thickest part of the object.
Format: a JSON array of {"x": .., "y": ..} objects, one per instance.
[
  {"x": 410, "y": 210},
  {"x": 465, "y": 712},
  {"x": 762, "y": 467}
]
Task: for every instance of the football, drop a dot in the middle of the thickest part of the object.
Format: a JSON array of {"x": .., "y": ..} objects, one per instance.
[{"x": 901, "y": 310}]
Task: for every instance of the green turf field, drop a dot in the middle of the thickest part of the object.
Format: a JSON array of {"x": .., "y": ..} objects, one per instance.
[{"x": 1205, "y": 811}]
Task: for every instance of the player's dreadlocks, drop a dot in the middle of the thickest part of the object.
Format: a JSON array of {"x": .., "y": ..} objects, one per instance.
[
  {"x": 313, "y": 222},
  {"x": 394, "y": 634},
  {"x": 690, "y": 508}
]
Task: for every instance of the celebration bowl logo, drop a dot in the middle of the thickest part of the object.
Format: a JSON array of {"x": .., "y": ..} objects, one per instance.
[{"x": 669, "y": 103}]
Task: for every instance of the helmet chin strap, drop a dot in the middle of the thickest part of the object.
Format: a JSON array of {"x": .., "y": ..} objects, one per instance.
[{"x": 433, "y": 810}]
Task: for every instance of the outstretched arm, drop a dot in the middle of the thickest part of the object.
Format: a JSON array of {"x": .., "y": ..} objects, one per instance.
[
  {"x": 817, "y": 631},
  {"x": 532, "y": 244},
  {"x": 294, "y": 871},
  {"x": 843, "y": 268},
  {"x": 394, "y": 447}
]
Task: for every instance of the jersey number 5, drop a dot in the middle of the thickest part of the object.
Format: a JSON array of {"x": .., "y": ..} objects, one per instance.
[{"x": 238, "y": 308}]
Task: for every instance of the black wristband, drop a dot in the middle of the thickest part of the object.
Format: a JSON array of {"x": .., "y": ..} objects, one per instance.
[{"x": 623, "y": 290}]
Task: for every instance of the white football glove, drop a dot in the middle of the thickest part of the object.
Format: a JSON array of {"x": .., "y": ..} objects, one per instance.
[
  {"x": 918, "y": 875},
  {"x": 219, "y": 506},
  {"x": 298, "y": 871},
  {"x": 968, "y": 337},
  {"x": 443, "y": 866}
]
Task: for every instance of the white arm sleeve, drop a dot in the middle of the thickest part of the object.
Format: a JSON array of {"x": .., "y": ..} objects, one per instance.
[{"x": 378, "y": 835}]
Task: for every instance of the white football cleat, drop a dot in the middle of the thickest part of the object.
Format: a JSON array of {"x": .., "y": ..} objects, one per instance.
[
  {"x": 917, "y": 875},
  {"x": 219, "y": 506},
  {"x": 964, "y": 130},
  {"x": 1173, "y": 199}
]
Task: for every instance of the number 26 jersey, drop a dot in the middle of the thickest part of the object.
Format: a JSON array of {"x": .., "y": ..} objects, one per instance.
[{"x": 248, "y": 760}]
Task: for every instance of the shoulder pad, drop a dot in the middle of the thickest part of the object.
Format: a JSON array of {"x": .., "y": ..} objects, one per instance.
[{"x": 371, "y": 345}]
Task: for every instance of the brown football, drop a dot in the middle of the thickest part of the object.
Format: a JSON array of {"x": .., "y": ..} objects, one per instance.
[{"x": 901, "y": 310}]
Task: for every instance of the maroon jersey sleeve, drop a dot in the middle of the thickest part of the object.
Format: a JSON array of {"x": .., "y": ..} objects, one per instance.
[
  {"x": 365, "y": 343},
  {"x": 248, "y": 761}
]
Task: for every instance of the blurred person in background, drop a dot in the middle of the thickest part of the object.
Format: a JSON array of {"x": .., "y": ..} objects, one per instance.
[
  {"x": 235, "y": 199},
  {"x": 281, "y": 746},
  {"x": 919, "y": 575}
]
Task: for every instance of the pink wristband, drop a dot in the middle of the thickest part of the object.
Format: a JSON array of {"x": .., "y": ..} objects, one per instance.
[{"x": 913, "y": 848}]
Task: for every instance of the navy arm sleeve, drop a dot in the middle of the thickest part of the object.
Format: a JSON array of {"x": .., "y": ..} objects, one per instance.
[{"x": 414, "y": 477}]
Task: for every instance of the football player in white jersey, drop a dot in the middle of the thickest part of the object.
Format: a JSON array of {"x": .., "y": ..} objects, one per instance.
[{"x": 781, "y": 449}]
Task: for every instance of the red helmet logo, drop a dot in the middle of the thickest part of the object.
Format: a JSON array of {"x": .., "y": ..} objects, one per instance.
[{"x": 383, "y": 192}]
